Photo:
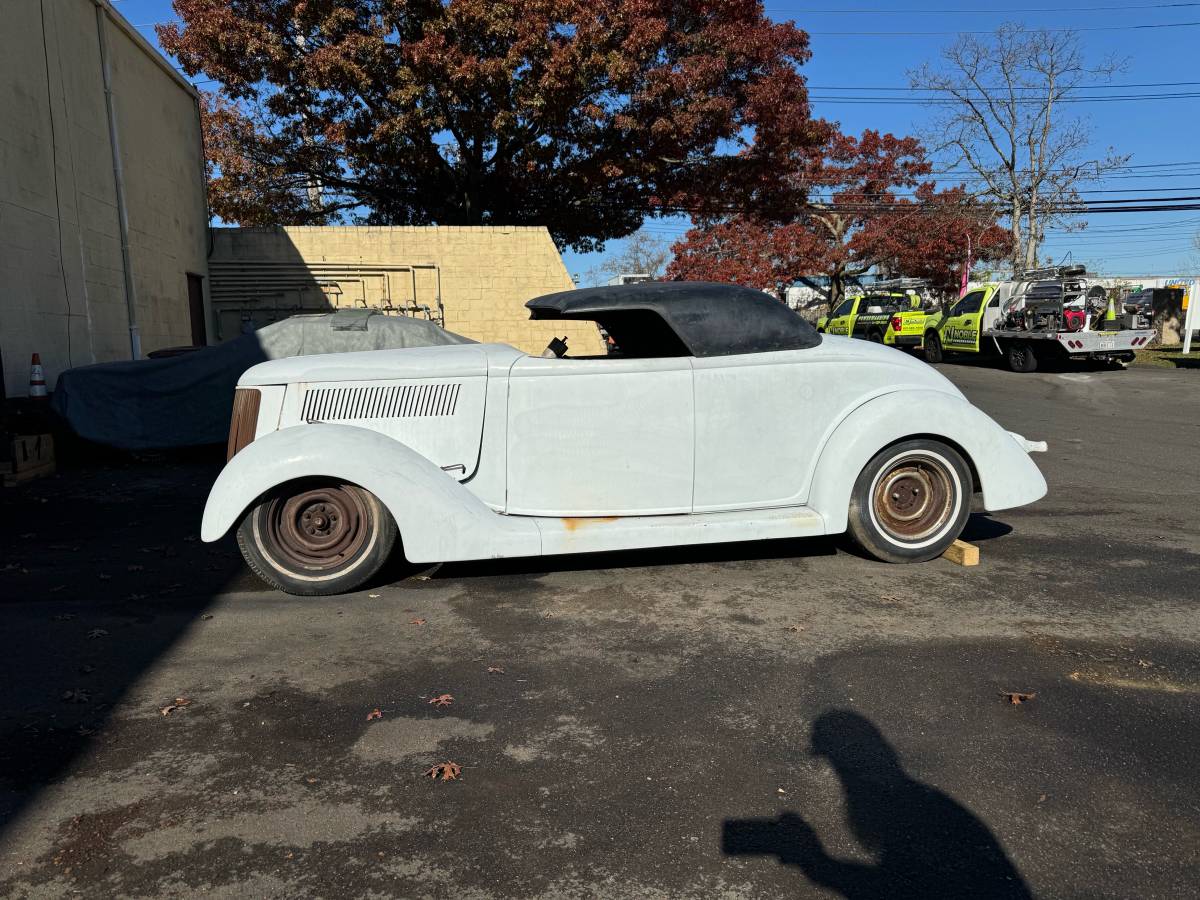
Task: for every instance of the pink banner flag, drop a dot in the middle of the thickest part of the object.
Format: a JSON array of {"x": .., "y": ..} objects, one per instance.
[{"x": 966, "y": 273}]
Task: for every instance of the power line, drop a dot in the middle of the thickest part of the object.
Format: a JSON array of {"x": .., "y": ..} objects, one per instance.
[
  {"x": 944, "y": 33},
  {"x": 1092, "y": 207},
  {"x": 1030, "y": 101},
  {"x": 986, "y": 12},
  {"x": 1078, "y": 87},
  {"x": 1123, "y": 230},
  {"x": 898, "y": 33}
]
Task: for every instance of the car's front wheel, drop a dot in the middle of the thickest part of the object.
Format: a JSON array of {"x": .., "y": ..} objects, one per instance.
[
  {"x": 317, "y": 537},
  {"x": 911, "y": 501}
]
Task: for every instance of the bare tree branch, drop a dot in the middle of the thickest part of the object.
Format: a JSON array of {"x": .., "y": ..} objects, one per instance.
[{"x": 999, "y": 105}]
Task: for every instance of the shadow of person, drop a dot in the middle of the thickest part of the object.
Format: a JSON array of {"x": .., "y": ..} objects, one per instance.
[{"x": 925, "y": 844}]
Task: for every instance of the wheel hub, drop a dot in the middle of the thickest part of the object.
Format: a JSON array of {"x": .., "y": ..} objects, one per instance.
[
  {"x": 913, "y": 499},
  {"x": 320, "y": 527}
]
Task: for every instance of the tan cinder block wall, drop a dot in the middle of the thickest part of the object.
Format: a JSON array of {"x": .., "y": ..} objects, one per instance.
[
  {"x": 487, "y": 275},
  {"x": 62, "y": 291}
]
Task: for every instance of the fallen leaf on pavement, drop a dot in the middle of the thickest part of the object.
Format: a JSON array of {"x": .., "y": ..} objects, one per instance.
[
  {"x": 442, "y": 700},
  {"x": 135, "y": 568},
  {"x": 179, "y": 703},
  {"x": 796, "y": 628},
  {"x": 97, "y": 632},
  {"x": 496, "y": 670},
  {"x": 373, "y": 596},
  {"x": 376, "y": 713},
  {"x": 1016, "y": 698},
  {"x": 417, "y": 622},
  {"x": 64, "y": 617},
  {"x": 206, "y": 616},
  {"x": 446, "y": 771},
  {"x": 104, "y": 577},
  {"x": 77, "y": 697}
]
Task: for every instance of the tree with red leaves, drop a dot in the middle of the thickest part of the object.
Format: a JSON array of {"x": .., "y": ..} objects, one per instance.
[
  {"x": 581, "y": 116},
  {"x": 843, "y": 215},
  {"x": 949, "y": 229}
]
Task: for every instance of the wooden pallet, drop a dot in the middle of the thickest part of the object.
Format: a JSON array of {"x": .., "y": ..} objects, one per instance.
[{"x": 32, "y": 456}]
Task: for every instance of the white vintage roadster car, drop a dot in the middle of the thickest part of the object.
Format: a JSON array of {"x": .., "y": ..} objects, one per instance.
[{"x": 719, "y": 415}]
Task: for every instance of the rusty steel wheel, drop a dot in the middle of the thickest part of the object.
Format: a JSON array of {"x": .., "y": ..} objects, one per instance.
[
  {"x": 317, "y": 537},
  {"x": 318, "y": 528},
  {"x": 911, "y": 501}
]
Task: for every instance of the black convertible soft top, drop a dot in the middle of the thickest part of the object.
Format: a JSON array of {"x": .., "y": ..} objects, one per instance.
[{"x": 709, "y": 319}]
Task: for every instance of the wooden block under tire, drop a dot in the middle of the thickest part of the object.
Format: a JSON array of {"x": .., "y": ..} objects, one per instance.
[{"x": 962, "y": 553}]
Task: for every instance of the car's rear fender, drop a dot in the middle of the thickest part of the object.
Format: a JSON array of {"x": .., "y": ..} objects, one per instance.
[
  {"x": 1007, "y": 476},
  {"x": 439, "y": 519}
]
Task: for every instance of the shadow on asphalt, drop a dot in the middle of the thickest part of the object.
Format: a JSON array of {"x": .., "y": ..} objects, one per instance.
[
  {"x": 747, "y": 551},
  {"x": 101, "y": 573},
  {"x": 926, "y": 845},
  {"x": 982, "y": 527}
]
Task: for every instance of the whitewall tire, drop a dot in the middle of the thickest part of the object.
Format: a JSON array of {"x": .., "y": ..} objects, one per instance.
[
  {"x": 911, "y": 501},
  {"x": 316, "y": 537}
]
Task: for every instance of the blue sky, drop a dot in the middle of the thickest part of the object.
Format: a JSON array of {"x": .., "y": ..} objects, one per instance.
[{"x": 864, "y": 46}]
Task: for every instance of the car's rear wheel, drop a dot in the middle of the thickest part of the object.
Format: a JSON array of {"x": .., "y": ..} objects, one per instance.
[
  {"x": 933, "y": 347},
  {"x": 317, "y": 537},
  {"x": 1020, "y": 356},
  {"x": 875, "y": 336},
  {"x": 911, "y": 501}
]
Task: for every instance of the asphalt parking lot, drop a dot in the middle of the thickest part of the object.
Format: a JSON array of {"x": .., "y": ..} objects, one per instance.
[{"x": 771, "y": 720}]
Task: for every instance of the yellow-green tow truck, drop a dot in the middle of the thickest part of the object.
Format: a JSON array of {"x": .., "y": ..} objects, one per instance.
[
  {"x": 891, "y": 312},
  {"x": 1046, "y": 314}
]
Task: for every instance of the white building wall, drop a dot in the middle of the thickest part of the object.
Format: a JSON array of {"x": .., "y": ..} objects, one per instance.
[{"x": 62, "y": 284}]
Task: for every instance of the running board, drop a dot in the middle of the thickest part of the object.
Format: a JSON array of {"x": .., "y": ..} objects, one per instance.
[{"x": 595, "y": 534}]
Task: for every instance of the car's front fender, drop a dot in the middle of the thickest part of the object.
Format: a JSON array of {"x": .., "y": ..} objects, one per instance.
[
  {"x": 439, "y": 519},
  {"x": 1007, "y": 476}
]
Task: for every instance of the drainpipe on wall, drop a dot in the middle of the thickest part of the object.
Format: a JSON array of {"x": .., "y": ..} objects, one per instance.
[{"x": 135, "y": 340}]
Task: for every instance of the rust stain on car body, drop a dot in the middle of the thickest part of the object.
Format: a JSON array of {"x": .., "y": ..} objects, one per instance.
[{"x": 572, "y": 523}]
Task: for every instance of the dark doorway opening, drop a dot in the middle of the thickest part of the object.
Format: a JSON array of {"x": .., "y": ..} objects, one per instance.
[{"x": 196, "y": 309}]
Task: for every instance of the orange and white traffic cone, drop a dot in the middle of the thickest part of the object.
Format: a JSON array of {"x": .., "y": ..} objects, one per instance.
[{"x": 37, "y": 378}]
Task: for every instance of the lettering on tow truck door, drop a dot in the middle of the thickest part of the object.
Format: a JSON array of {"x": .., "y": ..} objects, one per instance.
[
  {"x": 839, "y": 319},
  {"x": 961, "y": 331}
]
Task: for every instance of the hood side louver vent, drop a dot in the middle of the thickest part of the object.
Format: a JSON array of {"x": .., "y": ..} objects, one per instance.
[{"x": 383, "y": 402}]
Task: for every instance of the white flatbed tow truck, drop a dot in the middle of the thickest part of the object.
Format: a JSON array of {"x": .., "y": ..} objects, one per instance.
[{"x": 1045, "y": 314}]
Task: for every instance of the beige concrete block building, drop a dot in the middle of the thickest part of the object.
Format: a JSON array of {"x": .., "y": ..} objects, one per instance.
[
  {"x": 472, "y": 280},
  {"x": 66, "y": 287}
]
